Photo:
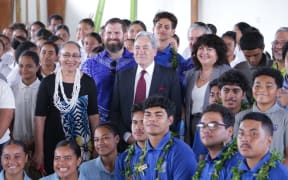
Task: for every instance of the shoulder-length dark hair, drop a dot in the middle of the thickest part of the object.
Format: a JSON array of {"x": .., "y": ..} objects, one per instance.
[{"x": 212, "y": 41}]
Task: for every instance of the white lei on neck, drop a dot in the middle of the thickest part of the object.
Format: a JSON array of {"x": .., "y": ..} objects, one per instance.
[{"x": 69, "y": 103}]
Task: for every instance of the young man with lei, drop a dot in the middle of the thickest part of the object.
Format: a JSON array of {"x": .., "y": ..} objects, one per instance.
[
  {"x": 216, "y": 131},
  {"x": 254, "y": 138},
  {"x": 125, "y": 164},
  {"x": 164, "y": 156}
]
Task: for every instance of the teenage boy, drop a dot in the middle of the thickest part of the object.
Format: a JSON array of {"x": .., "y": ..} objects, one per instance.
[
  {"x": 254, "y": 138},
  {"x": 127, "y": 160},
  {"x": 267, "y": 84},
  {"x": 216, "y": 131},
  {"x": 164, "y": 157},
  {"x": 106, "y": 139}
]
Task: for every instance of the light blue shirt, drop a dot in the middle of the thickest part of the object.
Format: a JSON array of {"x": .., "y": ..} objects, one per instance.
[
  {"x": 54, "y": 176},
  {"x": 2, "y": 177},
  {"x": 95, "y": 169}
]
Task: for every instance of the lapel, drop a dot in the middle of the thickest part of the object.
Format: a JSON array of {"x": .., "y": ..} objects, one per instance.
[
  {"x": 128, "y": 85},
  {"x": 156, "y": 79}
]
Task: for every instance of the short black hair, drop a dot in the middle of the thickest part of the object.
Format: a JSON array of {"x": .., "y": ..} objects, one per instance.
[
  {"x": 126, "y": 23},
  {"x": 51, "y": 43},
  {"x": 23, "y": 47},
  {"x": 212, "y": 41},
  {"x": 57, "y": 17},
  {"x": 110, "y": 126},
  {"x": 266, "y": 122},
  {"x": 212, "y": 27},
  {"x": 213, "y": 83},
  {"x": 252, "y": 40},
  {"x": 243, "y": 27},
  {"x": 167, "y": 15},
  {"x": 43, "y": 34},
  {"x": 16, "y": 142},
  {"x": 284, "y": 50},
  {"x": 72, "y": 145},
  {"x": 39, "y": 23},
  {"x": 227, "y": 116},
  {"x": 275, "y": 74},
  {"x": 96, "y": 36},
  {"x": 116, "y": 21},
  {"x": 140, "y": 23},
  {"x": 62, "y": 26},
  {"x": 87, "y": 21},
  {"x": 230, "y": 34},
  {"x": 234, "y": 77},
  {"x": 70, "y": 42},
  {"x": 160, "y": 101},
  {"x": 136, "y": 108},
  {"x": 176, "y": 37},
  {"x": 34, "y": 56}
]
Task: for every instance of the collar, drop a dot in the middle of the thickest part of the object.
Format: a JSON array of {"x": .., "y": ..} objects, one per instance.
[
  {"x": 161, "y": 144},
  {"x": 273, "y": 109},
  {"x": 35, "y": 84},
  {"x": 219, "y": 155},
  {"x": 244, "y": 167},
  {"x": 149, "y": 69},
  {"x": 165, "y": 51},
  {"x": 100, "y": 164},
  {"x": 126, "y": 54}
]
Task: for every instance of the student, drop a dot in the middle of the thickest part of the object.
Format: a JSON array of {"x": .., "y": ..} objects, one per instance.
[
  {"x": 67, "y": 158},
  {"x": 216, "y": 131},
  {"x": 267, "y": 84},
  {"x": 25, "y": 93},
  {"x": 254, "y": 138},
  {"x": 91, "y": 41},
  {"x": 14, "y": 157},
  {"x": 106, "y": 139},
  {"x": 164, "y": 157},
  {"x": 126, "y": 161}
]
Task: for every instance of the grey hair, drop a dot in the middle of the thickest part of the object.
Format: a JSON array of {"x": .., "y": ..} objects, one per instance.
[
  {"x": 282, "y": 29},
  {"x": 194, "y": 26},
  {"x": 149, "y": 35}
]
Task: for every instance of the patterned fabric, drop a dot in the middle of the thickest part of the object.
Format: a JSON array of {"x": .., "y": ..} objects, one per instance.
[{"x": 76, "y": 126}]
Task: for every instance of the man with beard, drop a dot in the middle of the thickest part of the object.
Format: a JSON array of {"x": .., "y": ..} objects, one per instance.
[
  {"x": 136, "y": 84},
  {"x": 254, "y": 138},
  {"x": 127, "y": 160},
  {"x": 103, "y": 66},
  {"x": 281, "y": 37},
  {"x": 216, "y": 131}
]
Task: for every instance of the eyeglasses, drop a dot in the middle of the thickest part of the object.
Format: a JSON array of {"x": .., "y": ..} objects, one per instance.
[
  {"x": 113, "y": 67},
  {"x": 275, "y": 43},
  {"x": 74, "y": 56},
  {"x": 211, "y": 125}
]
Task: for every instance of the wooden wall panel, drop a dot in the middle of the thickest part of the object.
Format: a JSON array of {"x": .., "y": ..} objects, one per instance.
[
  {"x": 6, "y": 9},
  {"x": 56, "y": 7}
]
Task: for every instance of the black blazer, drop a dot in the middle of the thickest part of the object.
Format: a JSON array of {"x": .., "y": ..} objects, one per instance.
[{"x": 165, "y": 82}]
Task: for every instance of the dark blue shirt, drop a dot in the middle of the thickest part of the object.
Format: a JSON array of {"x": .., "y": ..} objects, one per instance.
[
  {"x": 227, "y": 168},
  {"x": 100, "y": 69},
  {"x": 278, "y": 172},
  {"x": 179, "y": 161}
]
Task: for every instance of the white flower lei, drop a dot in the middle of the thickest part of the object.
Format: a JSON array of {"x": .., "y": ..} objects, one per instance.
[{"x": 70, "y": 103}]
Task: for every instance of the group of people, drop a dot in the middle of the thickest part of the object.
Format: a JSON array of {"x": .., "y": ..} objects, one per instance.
[{"x": 124, "y": 104}]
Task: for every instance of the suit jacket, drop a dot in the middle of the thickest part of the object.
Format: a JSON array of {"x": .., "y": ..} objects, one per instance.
[
  {"x": 165, "y": 82},
  {"x": 191, "y": 78}
]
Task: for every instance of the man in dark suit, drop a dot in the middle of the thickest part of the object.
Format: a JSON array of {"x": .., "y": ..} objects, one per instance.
[{"x": 158, "y": 80}]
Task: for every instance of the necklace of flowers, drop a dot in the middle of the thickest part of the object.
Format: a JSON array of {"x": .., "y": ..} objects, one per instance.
[
  {"x": 140, "y": 166},
  {"x": 226, "y": 154},
  {"x": 174, "y": 58},
  {"x": 69, "y": 103},
  {"x": 263, "y": 172},
  {"x": 130, "y": 153}
]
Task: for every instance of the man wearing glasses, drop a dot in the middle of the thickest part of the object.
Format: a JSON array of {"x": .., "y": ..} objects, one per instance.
[
  {"x": 216, "y": 131},
  {"x": 281, "y": 37}
]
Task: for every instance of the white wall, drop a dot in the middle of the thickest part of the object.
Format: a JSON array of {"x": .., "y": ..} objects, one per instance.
[{"x": 266, "y": 15}]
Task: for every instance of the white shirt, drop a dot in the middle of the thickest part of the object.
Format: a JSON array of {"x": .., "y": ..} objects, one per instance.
[
  {"x": 147, "y": 76},
  {"x": 198, "y": 96},
  {"x": 7, "y": 63},
  {"x": 6, "y": 102},
  {"x": 25, "y": 99},
  {"x": 240, "y": 57}
]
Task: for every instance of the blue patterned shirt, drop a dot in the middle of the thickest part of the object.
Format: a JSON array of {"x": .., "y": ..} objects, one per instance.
[{"x": 99, "y": 68}]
